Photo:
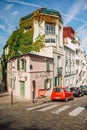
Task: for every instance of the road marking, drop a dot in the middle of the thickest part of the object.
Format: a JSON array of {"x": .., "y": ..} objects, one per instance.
[
  {"x": 32, "y": 108},
  {"x": 76, "y": 111},
  {"x": 61, "y": 109},
  {"x": 47, "y": 108}
]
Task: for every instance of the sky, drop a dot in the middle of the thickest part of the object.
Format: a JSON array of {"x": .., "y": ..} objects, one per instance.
[{"x": 73, "y": 12}]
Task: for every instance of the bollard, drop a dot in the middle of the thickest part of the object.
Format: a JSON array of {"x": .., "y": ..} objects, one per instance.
[{"x": 11, "y": 97}]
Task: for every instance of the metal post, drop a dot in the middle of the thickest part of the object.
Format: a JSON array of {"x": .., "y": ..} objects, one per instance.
[
  {"x": 11, "y": 97},
  {"x": 33, "y": 96}
]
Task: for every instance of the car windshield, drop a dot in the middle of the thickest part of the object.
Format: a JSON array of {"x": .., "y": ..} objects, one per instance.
[{"x": 57, "y": 90}]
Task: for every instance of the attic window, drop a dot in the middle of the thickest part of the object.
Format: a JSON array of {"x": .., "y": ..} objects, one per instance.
[{"x": 26, "y": 29}]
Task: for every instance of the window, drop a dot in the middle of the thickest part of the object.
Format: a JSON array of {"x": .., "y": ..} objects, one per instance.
[
  {"x": 50, "y": 36},
  {"x": 12, "y": 83},
  {"x": 21, "y": 64},
  {"x": 59, "y": 35},
  {"x": 76, "y": 52},
  {"x": 50, "y": 28},
  {"x": 77, "y": 62},
  {"x": 10, "y": 65},
  {"x": 47, "y": 83},
  {"x": 50, "y": 40},
  {"x": 59, "y": 61},
  {"x": 23, "y": 61},
  {"x": 58, "y": 90},
  {"x": 26, "y": 29}
]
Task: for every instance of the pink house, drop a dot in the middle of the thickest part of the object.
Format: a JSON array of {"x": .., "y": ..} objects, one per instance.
[{"x": 30, "y": 76}]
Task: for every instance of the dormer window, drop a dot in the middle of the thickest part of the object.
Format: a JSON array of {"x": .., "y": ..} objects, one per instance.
[{"x": 26, "y": 29}]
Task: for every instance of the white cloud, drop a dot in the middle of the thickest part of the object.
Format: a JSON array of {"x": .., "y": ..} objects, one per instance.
[
  {"x": 24, "y": 3},
  {"x": 8, "y": 7},
  {"x": 2, "y": 27},
  {"x": 82, "y": 27},
  {"x": 74, "y": 10},
  {"x": 15, "y": 13},
  {"x": 83, "y": 37}
]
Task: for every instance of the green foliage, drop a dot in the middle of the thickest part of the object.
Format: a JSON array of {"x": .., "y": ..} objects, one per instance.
[
  {"x": 21, "y": 41},
  {"x": 74, "y": 41},
  {"x": 38, "y": 44}
]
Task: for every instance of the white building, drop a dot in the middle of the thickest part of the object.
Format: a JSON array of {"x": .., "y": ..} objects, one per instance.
[
  {"x": 75, "y": 64},
  {"x": 80, "y": 64},
  {"x": 69, "y": 58},
  {"x": 69, "y": 65}
]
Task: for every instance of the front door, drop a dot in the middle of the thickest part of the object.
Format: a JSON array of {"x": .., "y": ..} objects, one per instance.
[{"x": 22, "y": 88}]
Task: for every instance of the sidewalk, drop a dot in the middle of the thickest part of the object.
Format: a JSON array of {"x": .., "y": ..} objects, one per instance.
[{"x": 7, "y": 99}]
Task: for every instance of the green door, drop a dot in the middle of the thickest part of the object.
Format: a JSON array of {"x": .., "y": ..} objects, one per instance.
[{"x": 22, "y": 88}]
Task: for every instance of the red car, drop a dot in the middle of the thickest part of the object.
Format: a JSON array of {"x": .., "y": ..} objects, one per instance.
[{"x": 60, "y": 93}]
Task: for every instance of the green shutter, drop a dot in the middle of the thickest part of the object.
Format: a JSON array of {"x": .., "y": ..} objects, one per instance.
[
  {"x": 47, "y": 65},
  {"x": 18, "y": 64},
  {"x": 25, "y": 65}
]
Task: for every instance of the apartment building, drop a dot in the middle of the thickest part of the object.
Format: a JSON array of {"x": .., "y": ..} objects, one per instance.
[
  {"x": 69, "y": 58},
  {"x": 80, "y": 64},
  {"x": 77, "y": 65}
]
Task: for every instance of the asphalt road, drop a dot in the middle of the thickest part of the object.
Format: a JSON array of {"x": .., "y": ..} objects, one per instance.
[{"x": 43, "y": 115}]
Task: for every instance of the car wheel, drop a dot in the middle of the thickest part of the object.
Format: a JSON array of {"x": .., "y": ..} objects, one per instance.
[{"x": 66, "y": 100}]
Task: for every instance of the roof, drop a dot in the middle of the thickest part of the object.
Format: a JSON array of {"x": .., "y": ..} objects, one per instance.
[
  {"x": 44, "y": 11},
  {"x": 30, "y": 54},
  {"x": 68, "y": 32}
]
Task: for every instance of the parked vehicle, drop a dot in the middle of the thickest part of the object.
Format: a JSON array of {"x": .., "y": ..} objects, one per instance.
[
  {"x": 78, "y": 92},
  {"x": 60, "y": 93},
  {"x": 84, "y": 89}
]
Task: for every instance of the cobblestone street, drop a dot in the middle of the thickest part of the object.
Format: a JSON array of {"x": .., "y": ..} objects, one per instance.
[{"x": 41, "y": 115}]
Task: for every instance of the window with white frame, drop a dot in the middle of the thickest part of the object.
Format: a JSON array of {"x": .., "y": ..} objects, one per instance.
[
  {"x": 50, "y": 33},
  {"x": 49, "y": 28}
]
